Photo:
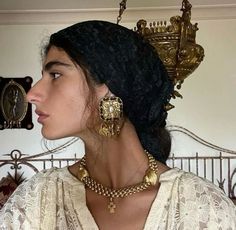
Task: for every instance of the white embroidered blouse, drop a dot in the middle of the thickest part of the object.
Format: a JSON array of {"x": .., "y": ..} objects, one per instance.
[{"x": 55, "y": 199}]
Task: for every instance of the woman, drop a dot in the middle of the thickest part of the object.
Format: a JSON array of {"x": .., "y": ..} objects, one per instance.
[{"x": 105, "y": 84}]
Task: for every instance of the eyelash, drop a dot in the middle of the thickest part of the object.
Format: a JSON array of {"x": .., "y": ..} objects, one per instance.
[{"x": 55, "y": 75}]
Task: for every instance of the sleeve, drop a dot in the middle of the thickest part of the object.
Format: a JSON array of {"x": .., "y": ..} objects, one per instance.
[
  {"x": 202, "y": 205},
  {"x": 23, "y": 207}
]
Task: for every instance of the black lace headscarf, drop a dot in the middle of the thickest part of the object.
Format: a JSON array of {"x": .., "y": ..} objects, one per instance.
[{"x": 131, "y": 69}]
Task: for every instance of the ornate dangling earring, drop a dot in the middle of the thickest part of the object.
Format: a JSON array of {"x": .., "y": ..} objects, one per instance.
[{"x": 111, "y": 114}]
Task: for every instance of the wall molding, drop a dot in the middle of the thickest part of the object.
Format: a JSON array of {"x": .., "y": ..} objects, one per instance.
[{"x": 132, "y": 15}]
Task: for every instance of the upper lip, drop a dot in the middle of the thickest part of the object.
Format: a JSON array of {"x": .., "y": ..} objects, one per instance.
[{"x": 40, "y": 113}]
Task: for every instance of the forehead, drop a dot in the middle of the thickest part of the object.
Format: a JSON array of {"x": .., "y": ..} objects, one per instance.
[{"x": 56, "y": 53}]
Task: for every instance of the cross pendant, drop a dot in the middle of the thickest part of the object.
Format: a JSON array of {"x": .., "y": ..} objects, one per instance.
[{"x": 111, "y": 206}]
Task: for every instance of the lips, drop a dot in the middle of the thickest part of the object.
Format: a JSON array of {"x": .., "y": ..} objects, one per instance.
[{"x": 42, "y": 116}]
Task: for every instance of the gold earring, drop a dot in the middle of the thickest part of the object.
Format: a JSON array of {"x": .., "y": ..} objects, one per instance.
[{"x": 111, "y": 114}]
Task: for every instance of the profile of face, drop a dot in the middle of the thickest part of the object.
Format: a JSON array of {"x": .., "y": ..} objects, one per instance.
[{"x": 61, "y": 96}]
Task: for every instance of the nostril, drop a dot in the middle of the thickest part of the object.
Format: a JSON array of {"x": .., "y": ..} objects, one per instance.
[
  {"x": 31, "y": 101},
  {"x": 30, "y": 98}
]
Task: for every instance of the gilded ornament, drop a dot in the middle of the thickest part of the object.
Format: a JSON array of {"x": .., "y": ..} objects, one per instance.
[
  {"x": 150, "y": 177},
  {"x": 111, "y": 114},
  {"x": 82, "y": 173},
  {"x": 175, "y": 44}
]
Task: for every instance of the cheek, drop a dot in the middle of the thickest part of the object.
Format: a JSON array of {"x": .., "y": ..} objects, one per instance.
[
  {"x": 72, "y": 97},
  {"x": 76, "y": 107},
  {"x": 68, "y": 119}
]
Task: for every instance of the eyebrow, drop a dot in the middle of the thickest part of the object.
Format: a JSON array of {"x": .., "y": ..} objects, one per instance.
[{"x": 50, "y": 64}]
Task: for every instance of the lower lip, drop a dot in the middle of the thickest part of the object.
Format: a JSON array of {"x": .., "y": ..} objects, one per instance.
[{"x": 41, "y": 118}]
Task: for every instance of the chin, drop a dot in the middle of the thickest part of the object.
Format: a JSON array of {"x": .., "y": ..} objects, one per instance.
[{"x": 51, "y": 135}]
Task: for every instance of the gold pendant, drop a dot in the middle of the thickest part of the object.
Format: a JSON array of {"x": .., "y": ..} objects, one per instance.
[
  {"x": 150, "y": 177},
  {"x": 111, "y": 206},
  {"x": 82, "y": 173}
]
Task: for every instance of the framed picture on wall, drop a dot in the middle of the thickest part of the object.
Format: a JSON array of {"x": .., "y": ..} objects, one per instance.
[{"x": 15, "y": 111}]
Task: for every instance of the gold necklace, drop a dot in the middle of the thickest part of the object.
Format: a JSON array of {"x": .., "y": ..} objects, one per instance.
[{"x": 149, "y": 179}]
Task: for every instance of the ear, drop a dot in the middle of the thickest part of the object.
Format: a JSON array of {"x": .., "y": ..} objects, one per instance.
[{"x": 101, "y": 91}]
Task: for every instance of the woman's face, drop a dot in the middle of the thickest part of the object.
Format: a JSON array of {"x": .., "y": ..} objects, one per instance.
[{"x": 61, "y": 97}]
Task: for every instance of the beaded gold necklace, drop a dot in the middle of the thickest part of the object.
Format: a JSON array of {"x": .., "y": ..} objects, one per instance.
[{"x": 149, "y": 179}]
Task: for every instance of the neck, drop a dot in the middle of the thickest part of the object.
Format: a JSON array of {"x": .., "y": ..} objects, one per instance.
[{"x": 117, "y": 162}]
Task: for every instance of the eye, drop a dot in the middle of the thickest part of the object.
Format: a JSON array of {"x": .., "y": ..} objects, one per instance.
[{"x": 55, "y": 75}]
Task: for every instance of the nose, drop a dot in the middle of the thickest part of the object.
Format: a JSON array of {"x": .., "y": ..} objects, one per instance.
[{"x": 35, "y": 94}]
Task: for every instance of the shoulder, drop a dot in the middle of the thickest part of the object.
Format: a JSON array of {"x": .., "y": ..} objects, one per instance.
[
  {"x": 39, "y": 181},
  {"x": 209, "y": 202},
  {"x": 189, "y": 184},
  {"x": 28, "y": 198},
  {"x": 200, "y": 186}
]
